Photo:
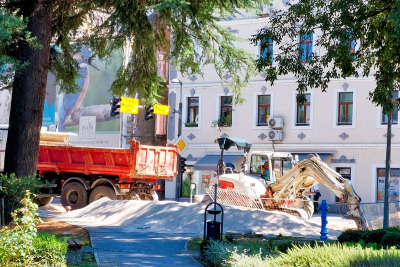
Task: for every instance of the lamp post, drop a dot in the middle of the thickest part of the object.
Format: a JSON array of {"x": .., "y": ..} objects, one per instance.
[{"x": 179, "y": 178}]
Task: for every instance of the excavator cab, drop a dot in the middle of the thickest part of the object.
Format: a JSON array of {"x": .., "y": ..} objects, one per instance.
[{"x": 270, "y": 166}]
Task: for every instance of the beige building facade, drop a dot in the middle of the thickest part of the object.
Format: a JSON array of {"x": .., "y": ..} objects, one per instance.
[{"x": 342, "y": 125}]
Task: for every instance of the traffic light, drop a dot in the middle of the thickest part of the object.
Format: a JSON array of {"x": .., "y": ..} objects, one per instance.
[
  {"x": 114, "y": 106},
  {"x": 148, "y": 112},
  {"x": 182, "y": 165}
]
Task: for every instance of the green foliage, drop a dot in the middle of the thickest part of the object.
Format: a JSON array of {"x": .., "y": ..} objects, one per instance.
[
  {"x": 373, "y": 25},
  {"x": 382, "y": 237},
  {"x": 391, "y": 239},
  {"x": 191, "y": 124},
  {"x": 217, "y": 253},
  {"x": 49, "y": 251},
  {"x": 363, "y": 245},
  {"x": 21, "y": 246},
  {"x": 197, "y": 40},
  {"x": 332, "y": 255},
  {"x": 351, "y": 236},
  {"x": 222, "y": 122},
  {"x": 12, "y": 190},
  {"x": 12, "y": 30}
]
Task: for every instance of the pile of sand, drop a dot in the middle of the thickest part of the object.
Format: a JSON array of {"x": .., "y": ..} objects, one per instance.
[{"x": 177, "y": 217}]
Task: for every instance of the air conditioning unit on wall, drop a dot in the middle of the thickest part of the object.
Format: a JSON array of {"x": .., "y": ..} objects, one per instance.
[
  {"x": 275, "y": 135},
  {"x": 275, "y": 123}
]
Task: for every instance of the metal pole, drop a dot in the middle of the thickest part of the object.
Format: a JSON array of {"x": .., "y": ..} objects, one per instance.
[
  {"x": 180, "y": 112},
  {"x": 179, "y": 177},
  {"x": 387, "y": 172}
]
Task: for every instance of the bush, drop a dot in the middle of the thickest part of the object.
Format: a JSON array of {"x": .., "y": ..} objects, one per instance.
[
  {"x": 218, "y": 252},
  {"x": 244, "y": 260},
  {"x": 12, "y": 190},
  {"x": 391, "y": 239},
  {"x": 21, "y": 246},
  {"x": 374, "y": 236},
  {"x": 49, "y": 251},
  {"x": 332, "y": 255},
  {"x": 352, "y": 236},
  {"x": 382, "y": 237}
]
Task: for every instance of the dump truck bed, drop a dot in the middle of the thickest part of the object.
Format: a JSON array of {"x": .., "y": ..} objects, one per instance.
[{"x": 138, "y": 162}]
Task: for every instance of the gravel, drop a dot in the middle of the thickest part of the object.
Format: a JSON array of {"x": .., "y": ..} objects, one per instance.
[{"x": 179, "y": 217}]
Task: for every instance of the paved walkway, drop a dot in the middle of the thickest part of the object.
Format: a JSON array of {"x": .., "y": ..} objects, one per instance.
[{"x": 117, "y": 248}]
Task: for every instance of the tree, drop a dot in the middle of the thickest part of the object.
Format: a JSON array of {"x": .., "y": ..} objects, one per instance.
[
  {"x": 373, "y": 25},
  {"x": 107, "y": 25}
]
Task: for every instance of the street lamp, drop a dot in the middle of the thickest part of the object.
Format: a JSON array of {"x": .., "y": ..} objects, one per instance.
[
  {"x": 180, "y": 107},
  {"x": 179, "y": 178}
]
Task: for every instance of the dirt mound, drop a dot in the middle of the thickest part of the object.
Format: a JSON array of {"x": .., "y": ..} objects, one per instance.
[{"x": 176, "y": 217}]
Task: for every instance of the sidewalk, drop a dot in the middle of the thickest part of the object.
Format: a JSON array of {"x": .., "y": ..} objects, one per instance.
[{"x": 116, "y": 246}]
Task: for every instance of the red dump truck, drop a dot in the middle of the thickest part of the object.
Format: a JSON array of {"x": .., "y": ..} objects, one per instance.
[{"x": 82, "y": 175}]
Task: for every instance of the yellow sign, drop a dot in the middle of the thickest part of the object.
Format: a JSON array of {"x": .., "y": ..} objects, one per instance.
[
  {"x": 161, "y": 109},
  {"x": 181, "y": 144},
  {"x": 129, "y": 105}
]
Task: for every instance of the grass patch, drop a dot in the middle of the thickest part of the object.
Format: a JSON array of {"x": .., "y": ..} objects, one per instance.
[
  {"x": 194, "y": 244},
  {"x": 85, "y": 242}
]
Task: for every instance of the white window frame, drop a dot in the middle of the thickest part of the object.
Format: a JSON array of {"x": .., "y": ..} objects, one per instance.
[
  {"x": 336, "y": 106},
  {"x": 375, "y": 177},
  {"x": 379, "y": 124},
  {"x": 185, "y": 113},
  {"x": 255, "y": 109},
  {"x": 218, "y": 109},
  {"x": 294, "y": 111},
  {"x": 352, "y": 167}
]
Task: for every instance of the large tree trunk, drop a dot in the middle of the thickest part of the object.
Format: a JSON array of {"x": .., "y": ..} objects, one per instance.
[{"x": 29, "y": 91}]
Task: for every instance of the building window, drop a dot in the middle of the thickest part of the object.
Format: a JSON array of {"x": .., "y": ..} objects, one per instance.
[
  {"x": 264, "y": 110},
  {"x": 345, "y": 109},
  {"x": 304, "y": 112},
  {"x": 394, "y": 179},
  {"x": 345, "y": 173},
  {"x": 352, "y": 44},
  {"x": 192, "y": 112},
  {"x": 225, "y": 117},
  {"x": 266, "y": 49},
  {"x": 306, "y": 41},
  {"x": 395, "y": 113}
]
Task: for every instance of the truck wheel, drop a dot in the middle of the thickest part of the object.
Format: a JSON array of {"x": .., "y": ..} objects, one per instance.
[
  {"x": 74, "y": 195},
  {"x": 102, "y": 191},
  {"x": 43, "y": 201}
]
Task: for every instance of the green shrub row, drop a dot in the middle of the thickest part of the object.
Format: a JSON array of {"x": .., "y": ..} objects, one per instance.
[
  {"x": 333, "y": 255},
  {"x": 226, "y": 254},
  {"x": 21, "y": 245},
  {"x": 388, "y": 237}
]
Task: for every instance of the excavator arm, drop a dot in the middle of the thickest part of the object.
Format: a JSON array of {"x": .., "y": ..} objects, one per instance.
[{"x": 296, "y": 184}]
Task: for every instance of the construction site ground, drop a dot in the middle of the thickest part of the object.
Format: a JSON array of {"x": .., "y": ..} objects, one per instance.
[{"x": 146, "y": 233}]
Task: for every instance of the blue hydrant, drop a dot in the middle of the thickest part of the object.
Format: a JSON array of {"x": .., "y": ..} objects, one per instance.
[{"x": 324, "y": 214}]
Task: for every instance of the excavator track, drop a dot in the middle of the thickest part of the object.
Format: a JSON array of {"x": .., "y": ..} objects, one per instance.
[{"x": 305, "y": 213}]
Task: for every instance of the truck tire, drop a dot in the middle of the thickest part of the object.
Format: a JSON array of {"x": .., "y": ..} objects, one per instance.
[
  {"x": 43, "y": 201},
  {"x": 102, "y": 191},
  {"x": 74, "y": 195}
]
